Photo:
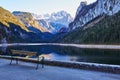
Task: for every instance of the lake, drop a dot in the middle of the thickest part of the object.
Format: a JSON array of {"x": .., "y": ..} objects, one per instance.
[{"x": 66, "y": 53}]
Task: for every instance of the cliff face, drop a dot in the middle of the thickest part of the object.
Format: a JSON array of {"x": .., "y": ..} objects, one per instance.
[
  {"x": 27, "y": 19},
  {"x": 86, "y": 13}
]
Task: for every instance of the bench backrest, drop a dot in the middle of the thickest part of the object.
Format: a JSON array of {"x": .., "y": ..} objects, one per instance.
[{"x": 21, "y": 52}]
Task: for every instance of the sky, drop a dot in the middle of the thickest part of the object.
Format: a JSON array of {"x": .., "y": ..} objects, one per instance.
[{"x": 42, "y": 6}]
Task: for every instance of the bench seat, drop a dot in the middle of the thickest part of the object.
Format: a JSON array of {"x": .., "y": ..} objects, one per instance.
[{"x": 27, "y": 54}]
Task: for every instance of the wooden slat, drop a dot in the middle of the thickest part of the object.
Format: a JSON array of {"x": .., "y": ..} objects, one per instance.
[{"x": 27, "y": 53}]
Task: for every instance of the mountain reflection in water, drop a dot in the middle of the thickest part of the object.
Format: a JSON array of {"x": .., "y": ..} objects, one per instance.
[{"x": 72, "y": 53}]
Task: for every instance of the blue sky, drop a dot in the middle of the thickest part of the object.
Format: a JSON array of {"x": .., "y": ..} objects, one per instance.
[{"x": 42, "y": 6}]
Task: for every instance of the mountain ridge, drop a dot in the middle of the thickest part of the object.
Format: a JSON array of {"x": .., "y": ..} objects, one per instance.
[
  {"x": 13, "y": 30},
  {"x": 86, "y": 13},
  {"x": 106, "y": 31}
]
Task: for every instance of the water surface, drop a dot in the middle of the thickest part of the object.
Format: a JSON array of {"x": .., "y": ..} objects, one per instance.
[{"x": 66, "y": 53}]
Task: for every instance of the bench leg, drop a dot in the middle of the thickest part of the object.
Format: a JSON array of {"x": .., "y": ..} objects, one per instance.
[
  {"x": 37, "y": 63},
  {"x": 16, "y": 61},
  {"x": 11, "y": 60},
  {"x": 37, "y": 66},
  {"x": 42, "y": 62}
]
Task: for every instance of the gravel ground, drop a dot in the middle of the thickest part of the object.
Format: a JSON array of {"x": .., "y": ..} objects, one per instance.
[{"x": 26, "y": 71}]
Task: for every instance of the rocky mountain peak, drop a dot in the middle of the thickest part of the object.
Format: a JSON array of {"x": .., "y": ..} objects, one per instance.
[
  {"x": 85, "y": 13},
  {"x": 82, "y": 4}
]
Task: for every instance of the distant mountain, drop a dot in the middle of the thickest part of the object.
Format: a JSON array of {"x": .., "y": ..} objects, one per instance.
[
  {"x": 85, "y": 13},
  {"x": 31, "y": 21},
  {"x": 55, "y": 22},
  {"x": 61, "y": 17}
]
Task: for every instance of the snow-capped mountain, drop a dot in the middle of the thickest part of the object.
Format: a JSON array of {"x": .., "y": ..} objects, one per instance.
[
  {"x": 54, "y": 22},
  {"x": 61, "y": 17},
  {"x": 86, "y": 13}
]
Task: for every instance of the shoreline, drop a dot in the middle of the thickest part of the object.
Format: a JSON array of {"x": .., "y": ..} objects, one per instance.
[
  {"x": 74, "y": 65},
  {"x": 88, "y": 46}
]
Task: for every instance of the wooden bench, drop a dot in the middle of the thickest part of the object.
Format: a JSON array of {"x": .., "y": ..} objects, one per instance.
[{"x": 27, "y": 54}]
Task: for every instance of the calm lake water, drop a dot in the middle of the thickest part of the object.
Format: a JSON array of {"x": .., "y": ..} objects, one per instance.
[{"x": 72, "y": 54}]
